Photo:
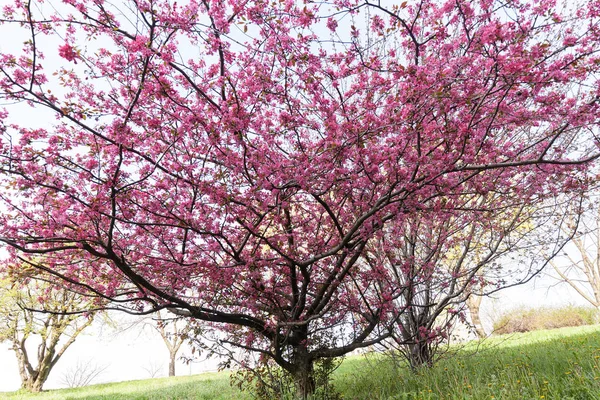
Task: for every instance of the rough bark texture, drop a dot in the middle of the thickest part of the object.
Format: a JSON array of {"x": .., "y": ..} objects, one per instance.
[
  {"x": 303, "y": 373},
  {"x": 421, "y": 355}
]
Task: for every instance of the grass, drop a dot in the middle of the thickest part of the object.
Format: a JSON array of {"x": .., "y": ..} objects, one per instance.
[
  {"x": 208, "y": 386},
  {"x": 554, "y": 364}
]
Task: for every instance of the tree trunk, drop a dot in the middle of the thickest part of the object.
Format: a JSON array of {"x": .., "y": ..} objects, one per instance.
[
  {"x": 37, "y": 385},
  {"x": 30, "y": 377},
  {"x": 474, "y": 304},
  {"x": 303, "y": 373},
  {"x": 44, "y": 370},
  {"x": 420, "y": 354},
  {"x": 33, "y": 379},
  {"x": 172, "y": 363},
  {"x": 32, "y": 384},
  {"x": 27, "y": 383}
]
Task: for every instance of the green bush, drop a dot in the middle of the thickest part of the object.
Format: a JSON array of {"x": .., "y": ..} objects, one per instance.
[
  {"x": 267, "y": 381},
  {"x": 532, "y": 319}
]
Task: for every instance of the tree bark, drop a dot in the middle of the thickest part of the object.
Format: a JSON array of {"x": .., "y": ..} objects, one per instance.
[
  {"x": 172, "y": 356},
  {"x": 474, "y": 304},
  {"x": 37, "y": 385},
  {"x": 303, "y": 373},
  {"x": 420, "y": 355},
  {"x": 33, "y": 383},
  {"x": 34, "y": 380}
]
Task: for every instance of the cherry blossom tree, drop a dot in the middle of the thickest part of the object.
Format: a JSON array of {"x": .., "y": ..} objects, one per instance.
[{"x": 236, "y": 161}]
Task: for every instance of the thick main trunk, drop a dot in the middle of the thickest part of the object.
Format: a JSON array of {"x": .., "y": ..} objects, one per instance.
[
  {"x": 32, "y": 384},
  {"x": 33, "y": 379},
  {"x": 301, "y": 367},
  {"x": 420, "y": 355},
  {"x": 303, "y": 374}
]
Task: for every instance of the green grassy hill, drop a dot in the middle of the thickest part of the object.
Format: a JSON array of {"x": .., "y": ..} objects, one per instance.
[{"x": 556, "y": 364}]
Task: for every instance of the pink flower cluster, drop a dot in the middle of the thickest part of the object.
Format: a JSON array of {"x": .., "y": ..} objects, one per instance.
[{"x": 68, "y": 52}]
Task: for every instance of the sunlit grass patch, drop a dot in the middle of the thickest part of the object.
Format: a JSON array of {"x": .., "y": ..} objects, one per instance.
[
  {"x": 207, "y": 386},
  {"x": 558, "y": 364}
]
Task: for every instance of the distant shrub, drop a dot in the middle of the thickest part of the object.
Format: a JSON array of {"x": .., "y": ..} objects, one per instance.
[{"x": 531, "y": 319}]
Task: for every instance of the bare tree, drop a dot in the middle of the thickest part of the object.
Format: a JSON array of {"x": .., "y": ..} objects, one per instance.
[
  {"x": 153, "y": 368},
  {"x": 174, "y": 332},
  {"x": 582, "y": 271},
  {"x": 82, "y": 373}
]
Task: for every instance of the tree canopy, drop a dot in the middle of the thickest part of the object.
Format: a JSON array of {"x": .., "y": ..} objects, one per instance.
[{"x": 235, "y": 161}]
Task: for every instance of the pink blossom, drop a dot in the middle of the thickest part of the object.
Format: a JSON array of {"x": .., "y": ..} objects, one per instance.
[
  {"x": 377, "y": 24},
  {"x": 569, "y": 40},
  {"x": 68, "y": 52},
  {"x": 332, "y": 24}
]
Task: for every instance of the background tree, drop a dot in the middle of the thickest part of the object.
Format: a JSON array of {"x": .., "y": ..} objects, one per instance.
[
  {"x": 82, "y": 373},
  {"x": 581, "y": 271},
  {"x": 473, "y": 304},
  {"x": 234, "y": 162},
  {"x": 53, "y": 329},
  {"x": 154, "y": 368},
  {"x": 174, "y": 333},
  {"x": 436, "y": 263}
]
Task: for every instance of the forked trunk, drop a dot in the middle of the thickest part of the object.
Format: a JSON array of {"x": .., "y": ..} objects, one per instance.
[
  {"x": 32, "y": 384},
  {"x": 420, "y": 355},
  {"x": 33, "y": 379}
]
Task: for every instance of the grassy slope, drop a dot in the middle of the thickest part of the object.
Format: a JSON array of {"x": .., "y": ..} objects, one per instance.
[
  {"x": 556, "y": 364},
  {"x": 559, "y": 364},
  {"x": 207, "y": 386}
]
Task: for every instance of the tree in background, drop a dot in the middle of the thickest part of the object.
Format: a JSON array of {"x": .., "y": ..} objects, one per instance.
[
  {"x": 473, "y": 304},
  {"x": 174, "y": 332},
  {"x": 235, "y": 162},
  {"x": 34, "y": 312},
  {"x": 436, "y": 262},
  {"x": 582, "y": 270},
  {"x": 82, "y": 373}
]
